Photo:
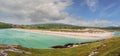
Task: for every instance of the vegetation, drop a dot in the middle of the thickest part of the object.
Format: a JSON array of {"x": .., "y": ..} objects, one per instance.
[
  {"x": 111, "y": 48},
  {"x": 56, "y": 27},
  {"x": 111, "y": 28},
  {"x": 50, "y": 26},
  {"x": 3, "y": 25}
]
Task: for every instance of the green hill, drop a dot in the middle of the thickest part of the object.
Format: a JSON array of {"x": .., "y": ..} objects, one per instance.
[
  {"x": 110, "y": 47},
  {"x": 50, "y": 26},
  {"x": 4, "y": 25},
  {"x": 54, "y": 26},
  {"x": 111, "y": 28}
]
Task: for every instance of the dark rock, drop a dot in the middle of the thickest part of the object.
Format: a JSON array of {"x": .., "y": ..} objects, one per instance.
[
  {"x": 69, "y": 45},
  {"x": 59, "y": 46},
  {"x": 85, "y": 42},
  {"x": 77, "y": 43}
]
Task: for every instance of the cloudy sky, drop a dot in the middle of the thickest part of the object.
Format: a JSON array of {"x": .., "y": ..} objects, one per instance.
[{"x": 75, "y": 12}]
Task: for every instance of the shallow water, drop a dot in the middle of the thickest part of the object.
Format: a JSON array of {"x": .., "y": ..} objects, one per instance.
[
  {"x": 35, "y": 40},
  {"x": 117, "y": 34}
]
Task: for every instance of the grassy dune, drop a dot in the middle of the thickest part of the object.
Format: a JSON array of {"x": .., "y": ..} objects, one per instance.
[{"x": 111, "y": 48}]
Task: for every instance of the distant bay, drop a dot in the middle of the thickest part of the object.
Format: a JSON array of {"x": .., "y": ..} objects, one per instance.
[
  {"x": 35, "y": 40},
  {"x": 117, "y": 34}
]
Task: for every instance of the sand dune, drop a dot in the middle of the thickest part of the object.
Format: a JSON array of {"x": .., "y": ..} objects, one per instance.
[{"x": 85, "y": 35}]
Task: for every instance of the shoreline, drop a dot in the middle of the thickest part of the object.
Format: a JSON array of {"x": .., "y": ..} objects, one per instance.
[{"x": 80, "y": 35}]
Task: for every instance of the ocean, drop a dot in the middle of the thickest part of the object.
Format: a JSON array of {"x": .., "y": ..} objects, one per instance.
[{"x": 36, "y": 40}]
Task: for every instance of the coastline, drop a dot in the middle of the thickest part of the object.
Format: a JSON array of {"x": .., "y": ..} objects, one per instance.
[{"x": 80, "y": 35}]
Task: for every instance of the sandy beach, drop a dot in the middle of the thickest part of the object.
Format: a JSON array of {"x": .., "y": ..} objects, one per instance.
[{"x": 85, "y": 35}]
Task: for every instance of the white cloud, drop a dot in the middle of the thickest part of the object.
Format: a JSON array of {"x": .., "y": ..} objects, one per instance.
[
  {"x": 33, "y": 10},
  {"x": 43, "y": 11},
  {"x": 82, "y": 22},
  {"x": 92, "y": 4}
]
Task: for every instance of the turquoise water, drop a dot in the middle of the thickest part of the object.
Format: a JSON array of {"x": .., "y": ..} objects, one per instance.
[
  {"x": 117, "y": 34},
  {"x": 35, "y": 40}
]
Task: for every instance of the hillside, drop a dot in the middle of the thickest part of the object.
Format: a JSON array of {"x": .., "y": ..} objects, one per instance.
[
  {"x": 108, "y": 47},
  {"x": 55, "y": 27},
  {"x": 49, "y": 26},
  {"x": 111, "y": 28},
  {"x": 63, "y": 27},
  {"x": 5, "y": 25}
]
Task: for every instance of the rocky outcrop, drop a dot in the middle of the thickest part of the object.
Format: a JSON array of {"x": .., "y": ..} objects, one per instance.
[
  {"x": 58, "y": 46},
  {"x": 11, "y": 48},
  {"x": 69, "y": 45},
  {"x": 74, "y": 44}
]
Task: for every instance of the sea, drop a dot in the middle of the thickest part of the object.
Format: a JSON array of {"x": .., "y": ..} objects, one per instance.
[{"x": 38, "y": 40}]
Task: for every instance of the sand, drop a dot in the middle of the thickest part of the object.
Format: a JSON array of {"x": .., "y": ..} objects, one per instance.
[{"x": 86, "y": 35}]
